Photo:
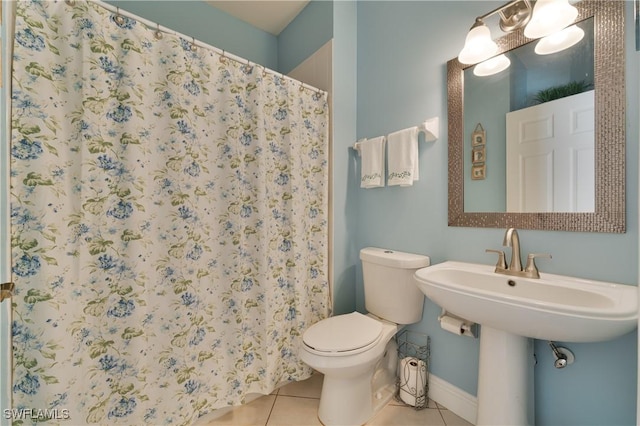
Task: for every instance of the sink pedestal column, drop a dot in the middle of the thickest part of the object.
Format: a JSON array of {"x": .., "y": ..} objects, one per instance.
[{"x": 505, "y": 379}]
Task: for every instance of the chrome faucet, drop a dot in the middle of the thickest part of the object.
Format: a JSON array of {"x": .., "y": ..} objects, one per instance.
[{"x": 512, "y": 240}]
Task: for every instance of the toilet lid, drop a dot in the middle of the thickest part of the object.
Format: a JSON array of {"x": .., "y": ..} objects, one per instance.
[{"x": 342, "y": 333}]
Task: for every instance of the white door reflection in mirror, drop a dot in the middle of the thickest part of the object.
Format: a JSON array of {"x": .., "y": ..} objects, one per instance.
[{"x": 550, "y": 156}]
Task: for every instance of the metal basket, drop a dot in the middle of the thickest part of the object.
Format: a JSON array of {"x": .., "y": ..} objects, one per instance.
[{"x": 412, "y": 386}]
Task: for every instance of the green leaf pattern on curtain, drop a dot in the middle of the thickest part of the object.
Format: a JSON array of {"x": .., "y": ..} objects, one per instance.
[{"x": 169, "y": 221}]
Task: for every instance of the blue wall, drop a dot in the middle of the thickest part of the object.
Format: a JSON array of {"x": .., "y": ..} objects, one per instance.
[
  {"x": 311, "y": 29},
  {"x": 210, "y": 25},
  {"x": 403, "y": 48},
  {"x": 307, "y": 33},
  {"x": 344, "y": 197},
  {"x": 486, "y": 102},
  {"x": 5, "y": 271}
]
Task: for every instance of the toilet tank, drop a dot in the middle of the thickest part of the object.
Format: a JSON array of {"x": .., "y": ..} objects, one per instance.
[{"x": 390, "y": 290}]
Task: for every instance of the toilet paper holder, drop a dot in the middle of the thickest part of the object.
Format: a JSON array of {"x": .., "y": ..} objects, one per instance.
[{"x": 457, "y": 325}]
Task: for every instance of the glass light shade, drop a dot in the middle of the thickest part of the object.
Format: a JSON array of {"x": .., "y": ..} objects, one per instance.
[
  {"x": 492, "y": 66},
  {"x": 550, "y": 16},
  {"x": 478, "y": 46},
  {"x": 559, "y": 41}
]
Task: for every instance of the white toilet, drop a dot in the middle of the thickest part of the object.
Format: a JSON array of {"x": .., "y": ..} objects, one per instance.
[{"x": 357, "y": 353}]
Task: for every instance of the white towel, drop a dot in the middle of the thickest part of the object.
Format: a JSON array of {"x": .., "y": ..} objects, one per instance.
[
  {"x": 372, "y": 164},
  {"x": 403, "y": 157}
]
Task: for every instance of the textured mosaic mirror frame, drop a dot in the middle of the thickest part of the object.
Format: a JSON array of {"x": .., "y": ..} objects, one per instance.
[{"x": 610, "y": 98}]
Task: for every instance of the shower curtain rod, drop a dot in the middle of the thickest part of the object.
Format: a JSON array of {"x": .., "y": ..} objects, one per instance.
[{"x": 222, "y": 53}]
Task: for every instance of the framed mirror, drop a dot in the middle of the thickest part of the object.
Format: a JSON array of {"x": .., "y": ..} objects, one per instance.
[{"x": 493, "y": 183}]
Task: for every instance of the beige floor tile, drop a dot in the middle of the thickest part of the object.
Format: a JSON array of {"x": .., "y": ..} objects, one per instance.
[
  {"x": 452, "y": 419},
  {"x": 292, "y": 410},
  {"x": 310, "y": 388},
  {"x": 255, "y": 413},
  {"x": 302, "y": 410},
  {"x": 430, "y": 404},
  {"x": 394, "y": 401},
  {"x": 392, "y": 415}
]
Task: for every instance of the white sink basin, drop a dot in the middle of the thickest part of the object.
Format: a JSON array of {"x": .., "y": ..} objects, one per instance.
[{"x": 554, "y": 307}]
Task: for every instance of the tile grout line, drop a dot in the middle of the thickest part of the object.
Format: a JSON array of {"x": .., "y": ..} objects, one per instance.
[
  {"x": 271, "y": 410},
  {"x": 300, "y": 396},
  {"x": 441, "y": 416}
]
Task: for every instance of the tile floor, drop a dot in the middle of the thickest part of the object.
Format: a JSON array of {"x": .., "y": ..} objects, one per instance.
[{"x": 297, "y": 404}]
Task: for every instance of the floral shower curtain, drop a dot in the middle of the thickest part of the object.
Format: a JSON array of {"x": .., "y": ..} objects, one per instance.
[{"x": 169, "y": 221}]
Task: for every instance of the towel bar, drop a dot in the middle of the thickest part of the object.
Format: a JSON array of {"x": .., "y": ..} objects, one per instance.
[
  {"x": 356, "y": 145},
  {"x": 429, "y": 127}
]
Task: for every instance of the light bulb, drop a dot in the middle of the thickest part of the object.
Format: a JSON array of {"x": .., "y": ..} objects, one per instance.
[
  {"x": 478, "y": 45},
  {"x": 550, "y": 16},
  {"x": 492, "y": 66},
  {"x": 559, "y": 41}
]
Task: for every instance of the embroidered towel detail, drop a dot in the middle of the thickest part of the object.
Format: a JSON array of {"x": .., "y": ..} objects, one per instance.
[
  {"x": 372, "y": 164},
  {"x": 403, "y": 157}
]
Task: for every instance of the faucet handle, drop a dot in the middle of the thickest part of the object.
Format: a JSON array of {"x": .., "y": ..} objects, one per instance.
[
  {"x": 502, "y": 263},
  {"x": 531, "y": 267}
]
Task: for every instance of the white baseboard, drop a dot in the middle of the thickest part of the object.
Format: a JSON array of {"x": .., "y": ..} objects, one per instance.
[{"x": 455, "y": 399}]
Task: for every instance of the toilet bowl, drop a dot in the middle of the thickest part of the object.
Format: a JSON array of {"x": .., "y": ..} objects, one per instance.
[
  {"x": 357, "y": 353},
  {"x": 359, "y": 366}
]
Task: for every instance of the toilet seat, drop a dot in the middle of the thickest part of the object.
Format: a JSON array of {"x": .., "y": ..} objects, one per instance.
[{"x": 343, "y": 334}]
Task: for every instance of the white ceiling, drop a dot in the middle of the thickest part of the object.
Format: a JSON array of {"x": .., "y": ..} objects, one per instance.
[{"x": 268, "y": 15}]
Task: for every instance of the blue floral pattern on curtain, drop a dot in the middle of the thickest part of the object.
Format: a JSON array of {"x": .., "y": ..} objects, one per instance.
[{"x": 169, "y": 220}]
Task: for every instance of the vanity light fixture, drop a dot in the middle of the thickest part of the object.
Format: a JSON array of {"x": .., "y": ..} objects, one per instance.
[
  {"x": 550, "y": 16},
  {"x": 559, "y": 41},
  {"x": 492, "y": 66},
  {"x": 478, "y": 46},
  {"x": 543, "y": 19}
]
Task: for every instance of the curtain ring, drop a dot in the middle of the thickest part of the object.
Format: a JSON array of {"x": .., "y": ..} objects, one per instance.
[
  {"x": 248, "y": 68},
  {"x": 119, "y": 19},
  {"x": 264, "y": 71},
  {"x": 193, "y": 44},
  {"x": 158, "y": 34},
  {"x": 223, "y": 58}
]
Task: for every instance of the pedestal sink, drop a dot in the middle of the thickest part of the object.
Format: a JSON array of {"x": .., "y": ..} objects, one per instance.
[{"x": 511, "y": 310}]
